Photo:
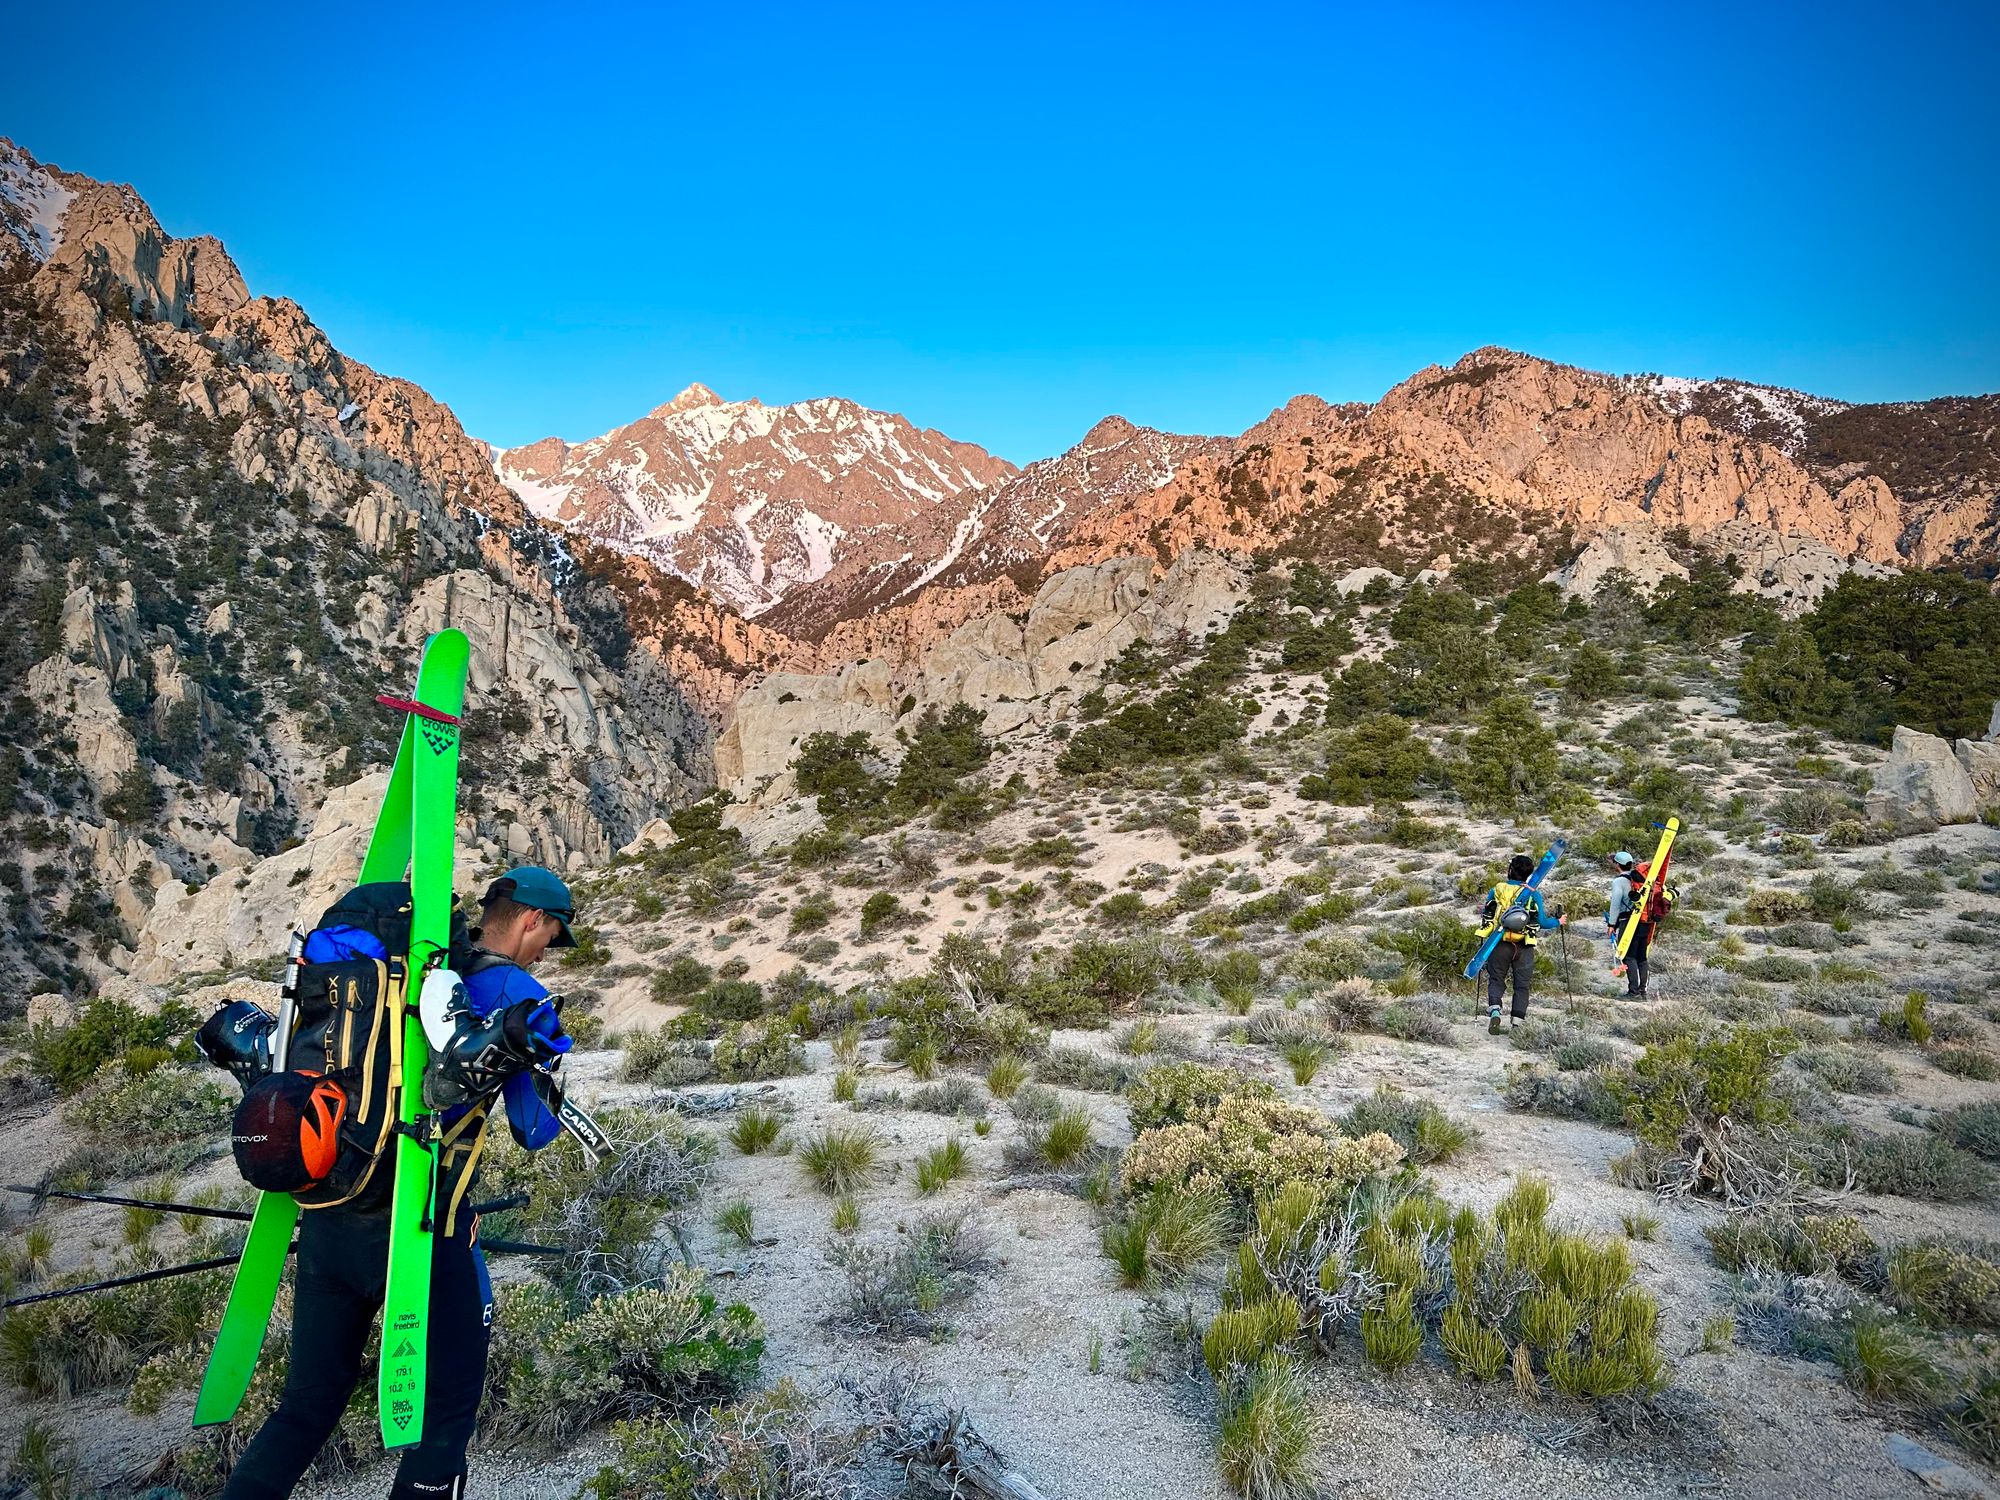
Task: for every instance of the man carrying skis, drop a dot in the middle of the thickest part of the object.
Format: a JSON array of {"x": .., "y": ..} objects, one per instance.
[
  {"x": 505, "y": 1031},
  {"x": 1628, "y": 881},
  {"x": 1513, "y": 957}
]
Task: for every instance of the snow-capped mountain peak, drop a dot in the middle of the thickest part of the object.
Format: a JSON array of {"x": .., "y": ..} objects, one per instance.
[{"x": 750, "y": 501}]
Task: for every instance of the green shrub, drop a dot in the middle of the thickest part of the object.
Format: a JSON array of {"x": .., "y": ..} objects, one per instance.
[
  {"x": 841, "y": 1159},
  {"x": 558, "y": 1368},
  {"x": 746, "y": 1054},
  {"x": 1910, "y": 1165},
  {"x": 69, "y": 1056},
  {"x": 881, "y": 910},
  {"x": 1683, "y": 1087},
  {"x": 1908, "y": 1022},
  {"x": 1513, "y": 758},
  {"x": 1378, "y": 760},
  {"x": 905, "y": 1291},
  {"x": 679, "y": 978},
  {"x": 731, "y": 1000},
  {"x": 1264, "y": 1444},
  {"x": 1436, "y": 945},
  {"x": 1425, "y": 1132},
  {"x": 1808, "y": 810}
]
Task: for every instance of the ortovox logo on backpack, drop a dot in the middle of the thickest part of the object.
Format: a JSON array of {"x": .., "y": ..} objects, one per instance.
[{"x": 287, "y": 1132}]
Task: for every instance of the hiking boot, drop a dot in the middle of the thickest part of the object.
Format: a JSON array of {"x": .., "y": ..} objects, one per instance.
[{"x": 1493, "y": 1023}]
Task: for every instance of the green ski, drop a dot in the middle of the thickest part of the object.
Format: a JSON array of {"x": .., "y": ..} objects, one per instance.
[
  {"x": 247, "y": 1315},
  {"x": 434, "y": 835},
  {"x": 246, "y": 1318}
]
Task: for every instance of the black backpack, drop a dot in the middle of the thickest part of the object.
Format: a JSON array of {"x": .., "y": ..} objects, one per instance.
[{"x": 320, "y": 1128}]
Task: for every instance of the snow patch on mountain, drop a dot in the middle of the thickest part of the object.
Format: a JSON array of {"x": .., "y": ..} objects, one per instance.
[
  {"x": 32, "y": 202},
  {"x": 1766, "y": 413}
]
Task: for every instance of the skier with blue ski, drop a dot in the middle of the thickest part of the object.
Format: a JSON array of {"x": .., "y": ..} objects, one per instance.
[{"x": 1512, "y": 918}]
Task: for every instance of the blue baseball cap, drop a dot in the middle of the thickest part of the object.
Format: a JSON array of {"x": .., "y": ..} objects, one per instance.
[
  {"x": 531, "y": 885},
  {"x": 1622, "y": 857}
]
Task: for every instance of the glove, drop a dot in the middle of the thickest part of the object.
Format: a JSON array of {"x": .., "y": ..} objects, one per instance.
[
  {"x": 238, "y": 1038},
  {"x": 534, "y": 1031}
]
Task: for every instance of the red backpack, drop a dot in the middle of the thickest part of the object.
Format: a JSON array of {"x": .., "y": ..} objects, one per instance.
[{"x": 1661, "y": 901}]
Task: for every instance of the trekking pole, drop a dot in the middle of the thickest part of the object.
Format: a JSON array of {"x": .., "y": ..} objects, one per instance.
[{"x": 1562, "y": 937}]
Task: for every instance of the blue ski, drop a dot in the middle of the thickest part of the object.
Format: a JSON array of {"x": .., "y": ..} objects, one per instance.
[{"x": 1528, "y": 887}]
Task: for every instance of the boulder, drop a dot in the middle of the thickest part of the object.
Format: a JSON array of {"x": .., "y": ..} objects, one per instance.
[
  {"x": 768, "y": 827},
  {"x": 1993, "y": 724},
  {"x": 1354, "y": 580},
  {"x": 1922, "y": 781},
  {"x": 773, "y": 718},
  {"x": 1636, "y": 550},
  {"x": 1980, "y": 759},
  {"x": 655, "y": 835}
]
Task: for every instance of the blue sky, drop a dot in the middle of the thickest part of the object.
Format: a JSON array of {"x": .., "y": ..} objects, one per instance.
[{"x": 1008, "y": 221}]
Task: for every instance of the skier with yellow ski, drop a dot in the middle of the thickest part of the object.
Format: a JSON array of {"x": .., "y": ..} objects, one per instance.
[{"x": 1639, "y": 901}]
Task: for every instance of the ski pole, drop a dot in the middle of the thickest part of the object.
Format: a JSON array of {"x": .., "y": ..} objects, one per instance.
[
  {"x": 160, "y": 1273},
  {"x": 204, "y": 1210},
  {"x": 242, "y": 1215},
  {"x": 117, "y": 1281}
]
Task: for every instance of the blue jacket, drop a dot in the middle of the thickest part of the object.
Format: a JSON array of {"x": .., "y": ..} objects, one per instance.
[{"x": 494, "y": 989}]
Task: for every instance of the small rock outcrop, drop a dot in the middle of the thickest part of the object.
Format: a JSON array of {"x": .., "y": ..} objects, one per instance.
[{"x": 1923, "y": 781}]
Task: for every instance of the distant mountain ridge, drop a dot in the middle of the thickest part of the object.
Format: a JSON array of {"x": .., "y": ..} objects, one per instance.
[{"x": 1501, "y": 450}]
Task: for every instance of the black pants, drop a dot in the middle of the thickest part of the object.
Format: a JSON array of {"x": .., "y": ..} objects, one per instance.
[
  {"x": 1515, "y": 961},
  {"x": 1635, "y": 959},
  {"x": 342, "y": 1273}
]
